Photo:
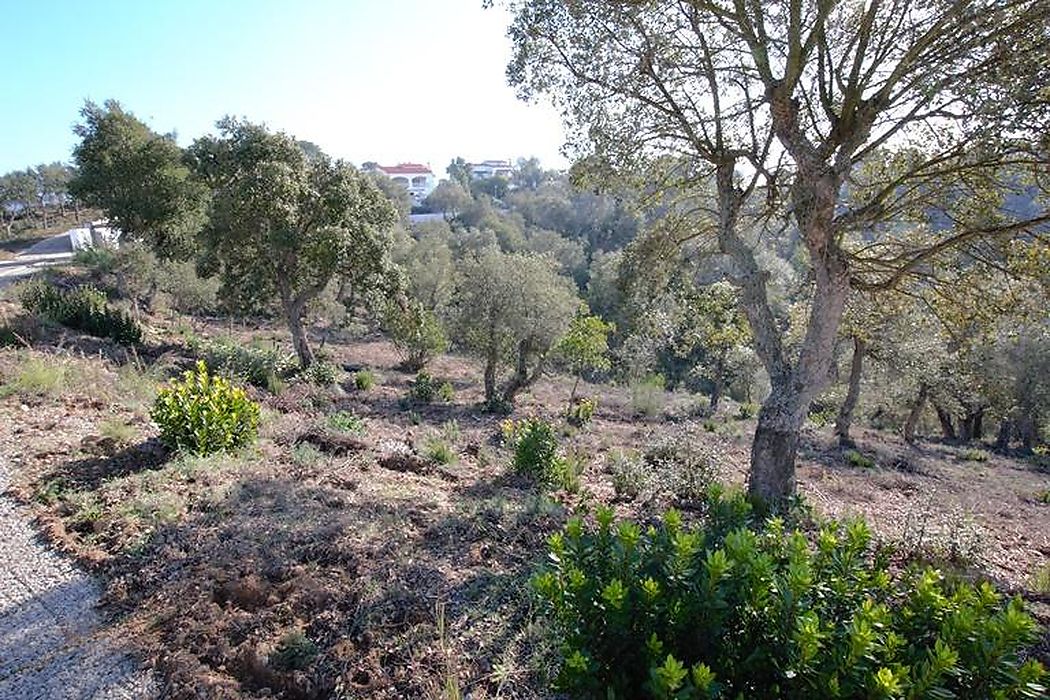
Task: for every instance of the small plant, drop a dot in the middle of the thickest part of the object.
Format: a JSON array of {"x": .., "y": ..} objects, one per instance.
[
  {"x": 415, "y": 418},
  {"x": 1040, "y": 580},
  {"x": 1043, "y": 497},
  {"x": 747, "y": 411},
  {"x": 973, "y": 454},
  {"x": 346, "y": 422},
  {"x": 438, "y": 450},
  {"x": 747, "y": 608},
  {"x": 416, "y": 333},
  {"x": 647, "y": 395},
  {"x": 537, "y": 453},
  {"x": 581, "y": 412},
  {"x": 204, "y": 414},
  {"x": 423, "y": 387},
  {"x": 364, "y": 379},
  {"x": 674, "y": 465},
  {"x": 294, "y": 652},
  {"x": 38, "y": 376},
  {"x": 450, "y": 430},
  {"x": 83, "y": 309},
  {"x": 855, "y": 458},
  {"x": 445, "y": 392},
  {"x": 306, "y": 455},
  {"x": 321, "y": 372},
  {"x": 117, "y": 430},
  {"x": 261, "y": 367}
]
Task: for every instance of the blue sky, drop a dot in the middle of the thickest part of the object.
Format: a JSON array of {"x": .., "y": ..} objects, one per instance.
[{"x": 384, "y": 80}]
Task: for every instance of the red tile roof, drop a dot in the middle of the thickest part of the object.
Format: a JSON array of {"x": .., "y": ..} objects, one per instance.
[{"x": 406, "y": 169}]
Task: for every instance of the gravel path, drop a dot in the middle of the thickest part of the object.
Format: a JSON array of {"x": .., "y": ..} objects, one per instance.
[{"x": 51, "y": 643}]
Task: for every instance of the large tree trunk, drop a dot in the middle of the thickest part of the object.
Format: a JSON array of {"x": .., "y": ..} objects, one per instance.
[
  {"x": 845, "y": 416},
  {"x": 773, "y": 452},
  {"x": 1006, "y": 429},
  {"x": 971, "y": 424},
  {"x": 914, "y": 414},
  {"x": 294, "y": 315},
  {"x": 945, "y": 419}
]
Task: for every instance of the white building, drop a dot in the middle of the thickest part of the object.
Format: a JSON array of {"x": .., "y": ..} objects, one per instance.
[
  {"x": 417, "y": 179},
  {"x": 491, "y": 168}
]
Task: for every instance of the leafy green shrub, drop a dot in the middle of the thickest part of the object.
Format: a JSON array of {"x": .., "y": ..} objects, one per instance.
[
  {"x": 446, "y": 393},
  {"x": 581, "y": 412},
  {"x": 647, "y": 395},
  {"x": 537, "y": 453},
  {"x": 423, "y": 388},
  {"x": 737, "y": 609},
  {"x": 416, "y": 333},
  {"x": 973, "y": 454},
  {"x": 364, "y": 379},
  {"x": 346, "y": 422},
  {"x": 81, "y": 308},
  {"x": 823, "y": 416},
  {"x": 321, "y": 372},
  {"x": 189, "y": 293},
  {"x": 294, "y": 652},
  {"x": 1043, "y": 496},
  {"x": 855, "y": 458},
  {"x": 1040, "y": 580},
  {"x": 204, "y": 414},
  {"x": 261, "y": 367}
]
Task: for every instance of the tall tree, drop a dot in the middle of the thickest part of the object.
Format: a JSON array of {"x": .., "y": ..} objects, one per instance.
[
  {"x": 282, "y": 226},
  {"x": 138, "y": 178},
  {"x": 757, "y": 117},
  {"x": 459, "y": 171},
  {"x": 17, "y": 192}
]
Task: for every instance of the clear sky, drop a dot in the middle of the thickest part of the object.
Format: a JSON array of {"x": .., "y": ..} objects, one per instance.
[{"x": 383, "y": 80}]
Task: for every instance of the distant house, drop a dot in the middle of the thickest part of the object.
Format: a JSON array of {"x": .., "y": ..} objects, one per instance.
[
  {"x": 417, "y": 179},
  {"x": 491, "y": 168}
]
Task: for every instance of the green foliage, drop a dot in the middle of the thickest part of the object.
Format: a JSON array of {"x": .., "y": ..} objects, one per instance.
[
  {"x": 1040, "y": 580},
  {"x": 647, "y": 395},
  {"x": 973, "y": 454},
  {"x": 294, "y": 652},
  {"x": 38, "y": 376},
  {"x": 364, "y": 379},
  {"x": 855, "y": 458},
  {"x": 320, "y": 372},
  {"x": 446, "y": 393},
  {"x": 416, "y": 333},
  {"x": 674, "y": 464},
  {"x": 538, "y": 455},
  {"x": 138, "y": 178},
  {"x": 423, "y": 388},
  {"x": 204, "y": 414},
  {"x": 581, "y": 412},
  {"x": 738, "y": 609},
  {"x": 438, "y": 450},
  {"x": 263, "y": 367},
  {"x": 747, "y": 411},
  {"x": 80, "y": 308},
  {"x": 346, "y": 422}
]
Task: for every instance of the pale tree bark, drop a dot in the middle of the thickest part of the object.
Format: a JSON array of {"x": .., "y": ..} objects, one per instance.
[
  {"x": 845, "y": 417},
  {"x": 914, "y": 414}
]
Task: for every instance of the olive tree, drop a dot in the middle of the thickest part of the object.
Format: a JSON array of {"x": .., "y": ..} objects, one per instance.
[
  {"x": 755, "y": 119},
  {"x": 138, "y": 178},
  {"x": 511, "y": 309},
  {"x": 283, "y": 226}
]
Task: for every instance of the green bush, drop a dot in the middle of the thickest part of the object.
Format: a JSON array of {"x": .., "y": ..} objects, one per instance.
[
  {"x": 204, "y": 414},
  {"x": 674, "y": 465},
  {"x": 746, "y": 411},
  {"x": 737, "y": 609},
  {"x": 537, "y": 453},
  {"x": 261, "y": 367},
  {"x": 294, "y": 652},
  {"x": 321, "y": 372},
  {"x": 973, "y": 454},
  {"x": 346, "y": 422},
  {"x": 855, "y": 458},
  {"x": 438, "y": 450},
  {"x": 416, "y": 333},
  {"x": 423, "y": 388},
  {"x": 581, "y": 412},
  {"x": 446, "y": 393},
  {"x": 81, "y": 308},
  {"x": 364, "y": 379}
]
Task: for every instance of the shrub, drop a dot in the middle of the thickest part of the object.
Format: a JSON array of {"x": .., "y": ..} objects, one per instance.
[
  {"x": 38, "y": 376},
  {"x": 81, "y": 308},
  {"x": 416, "y": 333},
  {"x": 854, "y": 458},
  {"x": 973, "y": 454},
  {"x": 364, "y": 379},
  {"x": 1040, "y": 580},
  {"x": 647, "y": 395},
  {"x": 346, "y": 422},
  {"x": 747, "y": 411},
  {"x": 204, "y": 414},
  {"x": 446, "y": 393},
  {"x": 261, "y": 367},
  {"x": 189, "y": 292},
  {"x": 581, "y": 412},
  {"x": 537, "y": 454},
  {"x": 735, "y": 609},
  {"x": 321, "y": 372},
  {"x": 294, "y": 652},
  {"x": 423, "y": 388},
  {"x": 674, "y": 465}
]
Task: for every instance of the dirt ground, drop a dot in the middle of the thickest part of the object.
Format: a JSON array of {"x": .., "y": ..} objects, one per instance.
[{"x": 317, "y": 564}]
